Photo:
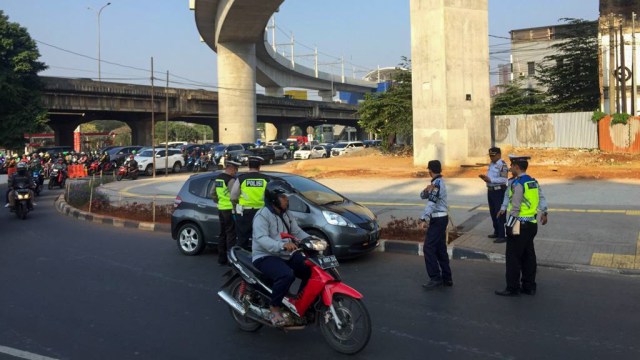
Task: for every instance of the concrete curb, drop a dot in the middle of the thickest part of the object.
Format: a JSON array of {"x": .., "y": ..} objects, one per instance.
[
  {"x": 391, "y": 246},
  {"x": 68, "y": 210}
]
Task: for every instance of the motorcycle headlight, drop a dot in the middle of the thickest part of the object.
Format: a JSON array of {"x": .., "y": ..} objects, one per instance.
[
  {"x": 317, "y": 245},
  {"x": 335, "y": 219}
]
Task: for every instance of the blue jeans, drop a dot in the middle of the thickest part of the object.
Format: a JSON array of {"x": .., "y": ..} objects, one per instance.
[{"x": 283, "y": 273}]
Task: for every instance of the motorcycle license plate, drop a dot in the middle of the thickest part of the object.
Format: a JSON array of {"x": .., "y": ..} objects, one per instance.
[{"x": 328, "y": 262}]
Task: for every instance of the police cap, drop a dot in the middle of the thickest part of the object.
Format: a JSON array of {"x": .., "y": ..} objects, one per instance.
[
  {"x": 494, "y": 151},
  {"x": 515, "y": 158},
  {"x": 255, "y": 161},
  {"x": 231, "y": 163}
]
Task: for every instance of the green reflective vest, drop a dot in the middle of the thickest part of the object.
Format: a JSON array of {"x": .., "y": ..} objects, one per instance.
[
  {"x": 530, "y": 200},
  {"x": 252, "y": 186},
  {"x": 222, "y": 192}
]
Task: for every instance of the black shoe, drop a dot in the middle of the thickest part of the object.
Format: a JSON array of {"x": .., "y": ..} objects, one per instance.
[
  {"x": 528, "y": 291},
  {"x": 507, "y": 292},
  {"x": 492, "y": 236},
  {"x": 432, "y": 284},
  {"x": 500, "y": 240},
  {"x": 447, "y": 282}
]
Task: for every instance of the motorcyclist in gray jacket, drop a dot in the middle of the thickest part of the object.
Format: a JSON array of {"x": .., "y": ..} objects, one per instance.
[{"x": 271, "y": 253}]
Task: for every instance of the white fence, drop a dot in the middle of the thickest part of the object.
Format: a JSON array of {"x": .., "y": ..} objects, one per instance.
[{"x": 566, "y": 130}]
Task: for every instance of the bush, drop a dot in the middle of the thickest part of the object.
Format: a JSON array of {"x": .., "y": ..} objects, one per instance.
[
  {"x": 597, "y": 116},
  {"x": 620, "y": 119}
]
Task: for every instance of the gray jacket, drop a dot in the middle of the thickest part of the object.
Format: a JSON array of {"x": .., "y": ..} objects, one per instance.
[{"x": 267, "y": 227}]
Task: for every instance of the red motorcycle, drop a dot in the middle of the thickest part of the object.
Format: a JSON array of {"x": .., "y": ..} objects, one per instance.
[
  {"x": 337, "y": 308},
  {"x": 123, "y": 172},
  {"x": 96, "y": 167}
]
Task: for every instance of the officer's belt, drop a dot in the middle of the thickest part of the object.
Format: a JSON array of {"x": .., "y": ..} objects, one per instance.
[
  {"x": 439, "y": 214},
  {"x": 497, "y": 187}
]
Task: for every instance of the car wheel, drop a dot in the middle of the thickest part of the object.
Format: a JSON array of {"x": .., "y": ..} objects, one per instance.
[
  {"x": 176, "y": 167},
  {"x": 149, "y": 170},
  {"x": 321, "y": 235},
  {"x": 190, "y": 239},
  {"x": 285, "y": 156},
  {"x": 324, "y": 156}
]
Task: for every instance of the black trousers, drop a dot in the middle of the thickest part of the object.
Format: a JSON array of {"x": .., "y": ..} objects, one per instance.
[
  {"x": 227, "y": 235},
  {"x": 244, "y": 227},
  {"x": 283, "y": 273},
  {"x": 521, "y": 258},
  {"x": 436, "y": 258},
  {"x": 495, "y": 197}
]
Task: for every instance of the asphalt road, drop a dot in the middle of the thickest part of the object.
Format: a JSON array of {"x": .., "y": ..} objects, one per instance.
[{"x": 76, "y": 290}]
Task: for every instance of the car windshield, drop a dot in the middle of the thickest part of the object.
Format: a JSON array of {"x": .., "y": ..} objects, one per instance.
[
  {"x": 314, "y": 192},
  {"x": 340, "y": 145},
  {"x": 220, "y": 148},
  {"x": 146, "y": 153}
]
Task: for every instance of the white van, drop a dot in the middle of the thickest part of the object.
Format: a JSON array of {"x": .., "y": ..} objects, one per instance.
[{"x": 346, "y": 147}]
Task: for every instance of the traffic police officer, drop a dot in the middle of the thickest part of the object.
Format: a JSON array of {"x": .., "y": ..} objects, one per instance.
[
  {"x": 222, "y": 196},
  {"x": 436, "y": 257},
  {"x": 521, "y": 229},
  {"x": 496, "y": 181},
  {"x": 247, "y": 195}
]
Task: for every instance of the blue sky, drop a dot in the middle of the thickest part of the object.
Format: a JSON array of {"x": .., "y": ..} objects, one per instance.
[{"x": 367, "y": 33}]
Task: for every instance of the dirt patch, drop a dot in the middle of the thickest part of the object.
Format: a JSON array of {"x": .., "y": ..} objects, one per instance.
[
  {"x": 545, "y": 163},
  {"x": 135, "y": 212},
  {"x": 410, "y": 229}
]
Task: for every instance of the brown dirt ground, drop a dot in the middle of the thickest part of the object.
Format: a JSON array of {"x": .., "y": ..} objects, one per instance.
[{"x": 545, "y": 163}]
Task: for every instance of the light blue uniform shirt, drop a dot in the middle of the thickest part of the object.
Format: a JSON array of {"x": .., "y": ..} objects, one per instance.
[
  {"x": 437, "y": 198},
  {"x": 497, "y": 172}
]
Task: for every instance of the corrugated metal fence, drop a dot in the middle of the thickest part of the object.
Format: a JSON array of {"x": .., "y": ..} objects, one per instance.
[{"x": 566, "y": 130}]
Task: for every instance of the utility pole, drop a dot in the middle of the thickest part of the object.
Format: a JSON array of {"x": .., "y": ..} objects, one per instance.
[
  {"x": 633, "y": 65},
  {"x": 153, "y": 124},
  {"x": 623, "y": 71},
  {"x": 612, "y": 81},
  {"x": 166, "y": 127}
]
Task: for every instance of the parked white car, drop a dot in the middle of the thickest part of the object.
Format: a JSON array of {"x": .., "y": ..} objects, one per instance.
[
  {"x": 310, "y": 152},
  {"x": 145, "y": 160},
  {"x": 346, "y": 148}
]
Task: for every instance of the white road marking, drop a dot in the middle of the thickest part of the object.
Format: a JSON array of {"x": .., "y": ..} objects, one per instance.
[{"x": 23, "y": 354}]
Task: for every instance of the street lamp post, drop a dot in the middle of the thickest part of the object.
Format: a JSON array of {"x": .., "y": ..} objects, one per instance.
[{"x": 98, "y": 15}]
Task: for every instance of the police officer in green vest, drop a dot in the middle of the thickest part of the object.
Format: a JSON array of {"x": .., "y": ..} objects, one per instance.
[
  {"x": 521, "y": 228},
  {"x": 247, "y": 196},
  {"x": 222, "y": 196}
]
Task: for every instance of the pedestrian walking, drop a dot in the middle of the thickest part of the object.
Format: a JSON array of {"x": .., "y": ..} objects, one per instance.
[
  {"x": 247, "y": 196},
  {"x": 435, "y": 214},
  {"x": 496, "y": 182},
  {"x": 226, "y": 213},
  {"x": 521, "y": 229}
]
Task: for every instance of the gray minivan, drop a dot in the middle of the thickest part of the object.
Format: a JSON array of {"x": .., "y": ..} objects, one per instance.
[{"x": 350, "y": 228}]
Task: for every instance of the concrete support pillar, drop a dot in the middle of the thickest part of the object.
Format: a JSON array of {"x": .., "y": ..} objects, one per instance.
[
  {"x": 283, "y": 130},
  {"x": 274, "y": 91},
  {"x": 237, "y": 93},
  {"x": 140, "y": 132},
  {"x": 63, "y": 129},
  {"x": 450, "y": 58},
  {"x": 326, "y": 95},
  {"x": 270, "y": 132}
]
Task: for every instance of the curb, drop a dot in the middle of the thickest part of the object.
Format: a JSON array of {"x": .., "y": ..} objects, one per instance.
[
  {"x": 391, "y": 246},
  {"x": 68, "y": 210}
]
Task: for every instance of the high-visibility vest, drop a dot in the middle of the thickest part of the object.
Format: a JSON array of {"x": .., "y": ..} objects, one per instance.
[
  {"x": 531, "y": 198},
  {"x": 222, "y": 192},
  {"x": 252, "y": 186}
]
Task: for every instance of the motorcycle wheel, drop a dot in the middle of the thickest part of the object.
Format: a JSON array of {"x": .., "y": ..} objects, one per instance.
[
  {"x": 356, "y": 325},
  {"x": 245, "y": 323},
  {"x": 50, "y": 186},
  {"x": 21, "y": 210},
  {"x": 134, "y": 176},
  {"x": 119, "y": 177},
  {"x": 90, "y": 172}
]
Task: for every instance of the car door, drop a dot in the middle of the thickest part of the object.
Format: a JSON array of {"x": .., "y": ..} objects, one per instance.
[
  {"x": 206, "y": 210},
  {"x": 318, "y": 151},
  {"x": 161, "y": 156}
]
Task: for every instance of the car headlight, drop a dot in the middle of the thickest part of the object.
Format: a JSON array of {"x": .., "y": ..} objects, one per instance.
[{"x": 335, "y": 219}]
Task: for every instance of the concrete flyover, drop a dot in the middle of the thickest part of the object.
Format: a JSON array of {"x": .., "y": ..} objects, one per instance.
[
  {"x": 450, "y": 58},
  {"x": 71, "y": 102},
  {"x": 236, "y": 31}
]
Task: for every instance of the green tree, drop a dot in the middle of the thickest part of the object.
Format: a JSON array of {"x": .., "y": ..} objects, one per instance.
[
  {"x": 390, "y": 113},
  {"x": 571, "y": 74},
  {"x": 518, "y": 100},
  {"x": 20, "y": 98}
]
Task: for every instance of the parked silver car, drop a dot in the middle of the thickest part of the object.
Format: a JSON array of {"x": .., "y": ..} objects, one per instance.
[{"x": 281, "y": 151}]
